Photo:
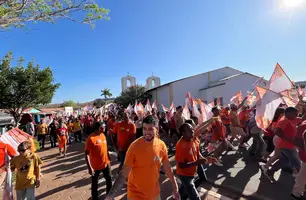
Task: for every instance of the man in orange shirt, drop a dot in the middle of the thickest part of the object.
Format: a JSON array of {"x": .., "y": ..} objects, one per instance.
[
  {"x": 286, "y": 131},
  {"x": 236, "y": 129},
  {"x": 126, "y": 134},
  {"x": 218, "y": 134},
  {"x": 111, "y": 126},
  {"x": 97, "y": 159},
  {"x": 188, "y": 157},
  {"x": 226, "y": 120},
  {"x": 142, "y": 164}
]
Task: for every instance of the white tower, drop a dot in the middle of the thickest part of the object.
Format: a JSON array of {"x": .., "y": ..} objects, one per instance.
[
  {"x": 125, "y": 80},
  {"x": 152, "y": 82}
]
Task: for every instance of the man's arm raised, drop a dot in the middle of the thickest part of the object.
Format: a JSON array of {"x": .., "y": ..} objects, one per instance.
[{"x": 120, "y": 181}]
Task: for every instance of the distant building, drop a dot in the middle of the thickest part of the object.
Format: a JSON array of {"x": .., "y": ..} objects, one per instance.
[{"x": 220, "y": 83}]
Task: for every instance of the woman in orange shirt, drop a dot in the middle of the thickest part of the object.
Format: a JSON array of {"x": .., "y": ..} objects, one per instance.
[{"x": 62, "y": 135}]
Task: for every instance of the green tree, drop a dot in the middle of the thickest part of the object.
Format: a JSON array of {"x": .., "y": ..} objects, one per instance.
[
  {"x": 23, "y": 87},
  {"x": 106, "y": 94},
  {"x": 98, "y": 103},
  {"x": 132, "y": 94},
  {"x": 16, "y": 13},
  {"x": 69, "y": 103}
]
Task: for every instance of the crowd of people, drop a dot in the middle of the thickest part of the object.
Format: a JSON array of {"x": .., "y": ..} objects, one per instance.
[{"x": 143, "y": 142}]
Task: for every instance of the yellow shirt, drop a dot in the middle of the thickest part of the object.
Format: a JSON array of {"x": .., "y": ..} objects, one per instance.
[
  {"x": 42, "y": 129},
  {"x": 27, "y": 167},
  {"x": 76, "y": 126}
]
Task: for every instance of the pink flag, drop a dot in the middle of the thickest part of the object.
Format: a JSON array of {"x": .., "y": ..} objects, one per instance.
[
  {"x": 279, "y": 80},
  {"x": 250, "y": 98},
  {"x": 148, "y": 107},
  {"x": 195, "y": 109},
  {"x": 8, "y": 187},
  {"x": 211, "y": 104},
  {"x": 206, "y": 113},
  {"x": 139, "y": 109},
  {"x": 129, "y": 109},
  {"x": 237, "y": 98},
  {"x": 165, "y": 109},
  {"x": 186, "y": 113},
  {"x": 219, "y": 101},
  {"x": 266, "y": 106},
  {"x": 171, "y": 111},
  {"x": 188, "y": 99},
  {"x": 154, "y": 106}
]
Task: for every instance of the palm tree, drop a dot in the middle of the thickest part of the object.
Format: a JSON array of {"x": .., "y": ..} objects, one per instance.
[{"x": 106, "y": 93}]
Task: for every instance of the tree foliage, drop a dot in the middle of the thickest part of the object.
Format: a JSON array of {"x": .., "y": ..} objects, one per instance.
[
  {"x": 16, "y": 13},
  {"x": 22, "y": 86},
  {"x": 106, "y": 94},
  {"x": 132, "y": 94},
  {"x": 98, "y": 103},
  {"x": 69, "y": 103}
]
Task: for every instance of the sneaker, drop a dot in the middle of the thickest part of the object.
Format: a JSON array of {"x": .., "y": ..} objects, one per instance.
[
  {"x": 244, "y": 146},
  {"x": 297, "y": 197},
  {"x": 218, "y": 163},
  {"x": 231, "y": 147}
]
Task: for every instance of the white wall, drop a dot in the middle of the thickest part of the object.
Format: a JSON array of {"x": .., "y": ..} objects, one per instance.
[
  {"x": 242, "y": 82},
  {"x": 195, "y": 83},
  {"x": 163, "y": 96}
]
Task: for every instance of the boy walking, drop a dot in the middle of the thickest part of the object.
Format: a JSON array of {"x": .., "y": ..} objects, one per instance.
[{"x": 27, "y": 166}]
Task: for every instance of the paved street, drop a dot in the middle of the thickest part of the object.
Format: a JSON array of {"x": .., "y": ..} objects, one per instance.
[{"x": 67, "y": 178}]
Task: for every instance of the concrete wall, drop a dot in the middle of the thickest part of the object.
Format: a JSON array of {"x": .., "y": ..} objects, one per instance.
[
  {"x": 177, "y": 90},
  {"x": 195, "y": 83},
  {"x": 242, "y": 82}
]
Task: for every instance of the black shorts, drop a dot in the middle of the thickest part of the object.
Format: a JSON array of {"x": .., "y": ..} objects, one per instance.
[{"x": 269, "y": 141}]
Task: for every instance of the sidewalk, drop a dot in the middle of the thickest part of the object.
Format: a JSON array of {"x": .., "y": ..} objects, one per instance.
[{"x": 67, "y": 178}]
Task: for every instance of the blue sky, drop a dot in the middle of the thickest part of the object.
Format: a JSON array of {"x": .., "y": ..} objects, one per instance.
[{"x": 170, "y": 38}]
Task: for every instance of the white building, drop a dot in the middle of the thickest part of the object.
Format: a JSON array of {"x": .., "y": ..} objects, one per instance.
[{"x": 223, "y": 82}]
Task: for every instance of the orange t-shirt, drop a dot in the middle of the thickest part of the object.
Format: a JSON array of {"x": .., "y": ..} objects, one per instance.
[
  {"x": 189, "y": 152},
  {"x": 289, "y": 130},
  {"x": 225, "y": 117},
  {"x": 244, "y": 116},
  {"x": 145, "y": 159},
  {"x": 126, "y": 133},
  {"x": 221, "y": 129},
  {"x": 96, "y": 146},
  {"x": 10, "y": 151},
  {"x": 111, "y": 125}
]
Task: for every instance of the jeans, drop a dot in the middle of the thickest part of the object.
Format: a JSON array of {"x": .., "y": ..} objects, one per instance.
[
  {"x": 26, "y": 194},
  {"x": 53, "y": 139},
  {"x": 189, "y": 185},
  {"x": 122, "y": 155},
  {"x": 300, "y": 181},
  {"x": 78, "y": 136},
  {"x": 95, "y": 179},
  {"x": 257, "y": 147},
  {"x": 42, "y": 139},
  {"x": 289, "y": 158},
  {"x": 189, "y": 188}
]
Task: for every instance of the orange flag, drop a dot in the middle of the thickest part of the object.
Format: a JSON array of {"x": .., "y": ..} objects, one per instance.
[{"x": 279, "y": 80}]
